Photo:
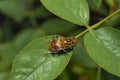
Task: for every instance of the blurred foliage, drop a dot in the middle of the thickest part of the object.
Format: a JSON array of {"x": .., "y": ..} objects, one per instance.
[{"x": 22, "y": 21}]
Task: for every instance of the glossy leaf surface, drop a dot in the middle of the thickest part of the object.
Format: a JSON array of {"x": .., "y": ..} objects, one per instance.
[
  {"x": 35, "y": 63},
  {"x": 75, "y": 11},
  {"x": 105, "y": 49}
]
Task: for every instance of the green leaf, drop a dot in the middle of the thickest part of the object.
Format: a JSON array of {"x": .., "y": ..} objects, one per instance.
[
  {"x": 105, "y": 50},
  {"x": 35, "y": 63},
  {"x": 57, "y": 26},
  {"x": 97, "y": 2},
  {"x": 12, "y": 8},
  {"x": 75, "y": 11}
]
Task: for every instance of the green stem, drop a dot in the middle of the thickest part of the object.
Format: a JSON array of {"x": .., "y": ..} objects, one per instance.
[
  {"x": 105, "y": 19},
  {"x": 97, "y": 24},
  {"x": 99, "y": 74},
  {"x": 90, "y": 30},
  {"x": 80, "y": 34}
]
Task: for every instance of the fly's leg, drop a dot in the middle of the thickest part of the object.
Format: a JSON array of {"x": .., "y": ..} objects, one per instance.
[{"x": 66, "y": 52}]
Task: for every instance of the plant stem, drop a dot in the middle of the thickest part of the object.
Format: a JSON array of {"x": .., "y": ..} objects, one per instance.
[
  {"x": 97, "y": 24},
  {"x": 80, "y": 34},
  {"x": 105, "y": 19},
  {"x": 99, "y": 74}
]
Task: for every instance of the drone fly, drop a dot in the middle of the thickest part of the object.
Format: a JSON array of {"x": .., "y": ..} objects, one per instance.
[{"x": 62, "y": 44}]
